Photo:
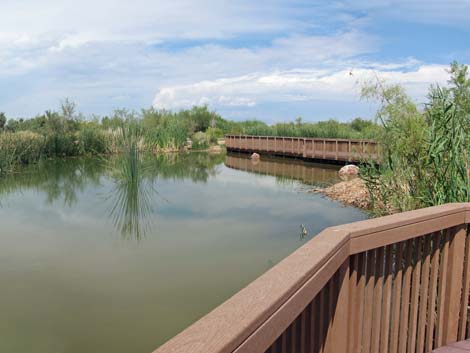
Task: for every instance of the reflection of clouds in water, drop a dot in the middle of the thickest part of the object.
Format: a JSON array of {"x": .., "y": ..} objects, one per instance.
[{"x": 230, "y": 197}]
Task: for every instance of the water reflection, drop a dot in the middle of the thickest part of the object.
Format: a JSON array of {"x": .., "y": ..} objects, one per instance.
[
  {"x": 58, "y": 179},
  {"x": 131, "y": 197},
  {"x": 134, "y": 195},
  {"x": 286, "y": 171},
  {"x": 134, "y": 177}
]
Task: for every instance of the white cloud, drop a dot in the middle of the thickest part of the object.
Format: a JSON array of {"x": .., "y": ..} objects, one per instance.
[
  {"x": 297, "y": 85},
  {"x": 234, "y": 54}
]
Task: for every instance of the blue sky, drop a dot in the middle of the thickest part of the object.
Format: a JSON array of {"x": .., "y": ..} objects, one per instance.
[{"x": 272, "y": 60}]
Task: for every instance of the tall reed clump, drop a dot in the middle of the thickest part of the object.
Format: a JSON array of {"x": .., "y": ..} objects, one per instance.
[
  {"x": 131, "y": 197},
  {"x": 425, "y": 154},
  {"x": 19, "y": 148}
]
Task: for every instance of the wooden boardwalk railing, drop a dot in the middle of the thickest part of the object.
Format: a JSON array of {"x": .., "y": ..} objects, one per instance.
[
  {"x": 393, "y": 284},
  {"x": 341, "y": 150}
]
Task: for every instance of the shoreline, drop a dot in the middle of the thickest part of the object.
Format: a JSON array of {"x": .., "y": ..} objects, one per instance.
[{"x": 350, "y": 193}]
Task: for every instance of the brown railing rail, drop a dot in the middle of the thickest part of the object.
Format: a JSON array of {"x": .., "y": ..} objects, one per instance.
[
  {"x": 393, "y": 284},
  {"x": 315, "y": 148}
]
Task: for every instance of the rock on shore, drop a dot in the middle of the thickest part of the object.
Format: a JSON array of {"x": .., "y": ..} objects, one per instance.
[{"x": 349, "y": 170}]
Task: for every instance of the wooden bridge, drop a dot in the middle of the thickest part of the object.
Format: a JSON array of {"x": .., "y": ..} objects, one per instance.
[
  {"x": 332, "y": 150},
  {"x": 396, "y": 284}
]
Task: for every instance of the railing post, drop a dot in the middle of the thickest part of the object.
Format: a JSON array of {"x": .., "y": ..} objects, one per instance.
[
  {"x": 349, "y": 151},
  {"x": 454, "y": 284}
]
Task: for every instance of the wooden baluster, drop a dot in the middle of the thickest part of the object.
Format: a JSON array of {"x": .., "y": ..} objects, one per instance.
[
  {"x": 454, "y": 287},
  {"x": 415, "y": 287},
  {"x": 465, "y": 291},
  {"x": 369, "y": 296},
  {"x": 405, "y": 303},
  {"x": 397, "y": 290},
  {"x": 340, "y": 319},
  {"x": 424, "y": 293},
  {"x": 313, "y": 326},
  {"x": 442, "y": 290},
  {"x": 321, "y": 324},
  {"x": 436, "y": 245},
  {"x": 353, "y": 300},
  {"x": 377, "y": 309},
  {"x": 387, "y": 298},
  {"x": 359, "y": 304}
]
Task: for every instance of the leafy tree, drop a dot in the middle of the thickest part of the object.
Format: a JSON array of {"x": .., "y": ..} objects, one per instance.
[{"x": 3, "y": 121}]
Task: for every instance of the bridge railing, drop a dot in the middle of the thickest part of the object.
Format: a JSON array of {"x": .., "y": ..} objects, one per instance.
[
  {"x": 392, "y": 284},
  {"x": 315, "y": 148}
]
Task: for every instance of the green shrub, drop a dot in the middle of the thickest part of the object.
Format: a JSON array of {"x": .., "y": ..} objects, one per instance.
[
  {"x": 425, "y": 155},
  {"x": 200, "y": 141}
]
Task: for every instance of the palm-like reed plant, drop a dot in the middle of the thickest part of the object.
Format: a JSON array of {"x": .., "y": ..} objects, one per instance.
[{"x": 132, "y": 194}]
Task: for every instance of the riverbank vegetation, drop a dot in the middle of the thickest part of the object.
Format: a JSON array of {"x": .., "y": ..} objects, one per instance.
[
  {"x": 425, "y": 153},
  {"x": 67, "y": 133}
]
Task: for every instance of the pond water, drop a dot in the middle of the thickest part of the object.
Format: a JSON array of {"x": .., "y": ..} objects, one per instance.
[{"x": 91, "y": 263}]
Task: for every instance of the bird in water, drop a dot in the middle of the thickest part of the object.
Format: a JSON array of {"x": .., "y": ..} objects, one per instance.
[{"x": 303, "y": 231}]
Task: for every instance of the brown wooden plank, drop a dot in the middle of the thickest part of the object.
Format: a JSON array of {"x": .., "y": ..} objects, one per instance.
[
  {"x": 332, "y": 292},
  {"x": 465, "y": 292},
  {"x": 340, "y": 318},
  {"x": 368, "y": 305},
  {"x": 359, "y": 303},
  {"x": 442, "y": 289},
  {"x": 431, "y": 317},
  {"x": 353, "y": 301},
  {"x": 386, "y": 303},
  {"x": 322, "y": 319},
  {"x": 396, "y": 299},
  {"x": 422, "y": 320},
  {"x": 284, "y": 342},
  {"x": 377, "y": 309},
  {"x": 313, "y": 326},
  {"x": 454, "y": 287},
  {"x": 405, "y": 302},
  {"x": 415, "y": 288}
]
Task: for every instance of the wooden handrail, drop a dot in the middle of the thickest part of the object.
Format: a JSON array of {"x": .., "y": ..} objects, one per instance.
[
  {"x": 298, "y": 137},
  {"x": 355, "y": 287},
  {"x": 329, "y": 149}
]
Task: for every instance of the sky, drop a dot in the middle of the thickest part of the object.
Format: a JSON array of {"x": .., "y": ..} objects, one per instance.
[{"x": 270, "y": 60}]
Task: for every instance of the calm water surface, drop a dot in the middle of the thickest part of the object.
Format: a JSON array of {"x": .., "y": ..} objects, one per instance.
[{"x": 89, "y": 263}]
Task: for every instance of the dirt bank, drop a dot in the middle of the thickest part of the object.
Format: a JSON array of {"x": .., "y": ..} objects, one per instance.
[{"x": 352, "y": 192}]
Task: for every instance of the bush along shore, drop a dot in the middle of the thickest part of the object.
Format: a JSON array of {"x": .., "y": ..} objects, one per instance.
[
  {"x": 425, "y": 150},
  {"x": 67, "y": 133}
]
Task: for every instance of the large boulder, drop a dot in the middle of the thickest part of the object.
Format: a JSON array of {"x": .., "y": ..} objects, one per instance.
[
  {"x": 349, "y": 170},
  {"x": 255, "y": 157}
]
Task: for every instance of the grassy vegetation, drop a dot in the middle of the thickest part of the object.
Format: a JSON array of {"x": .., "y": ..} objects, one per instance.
[
  {"x": 426, "y": 154},
  {"x": 66, "y": 132},
  {"x": 356, "y": 129}
]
